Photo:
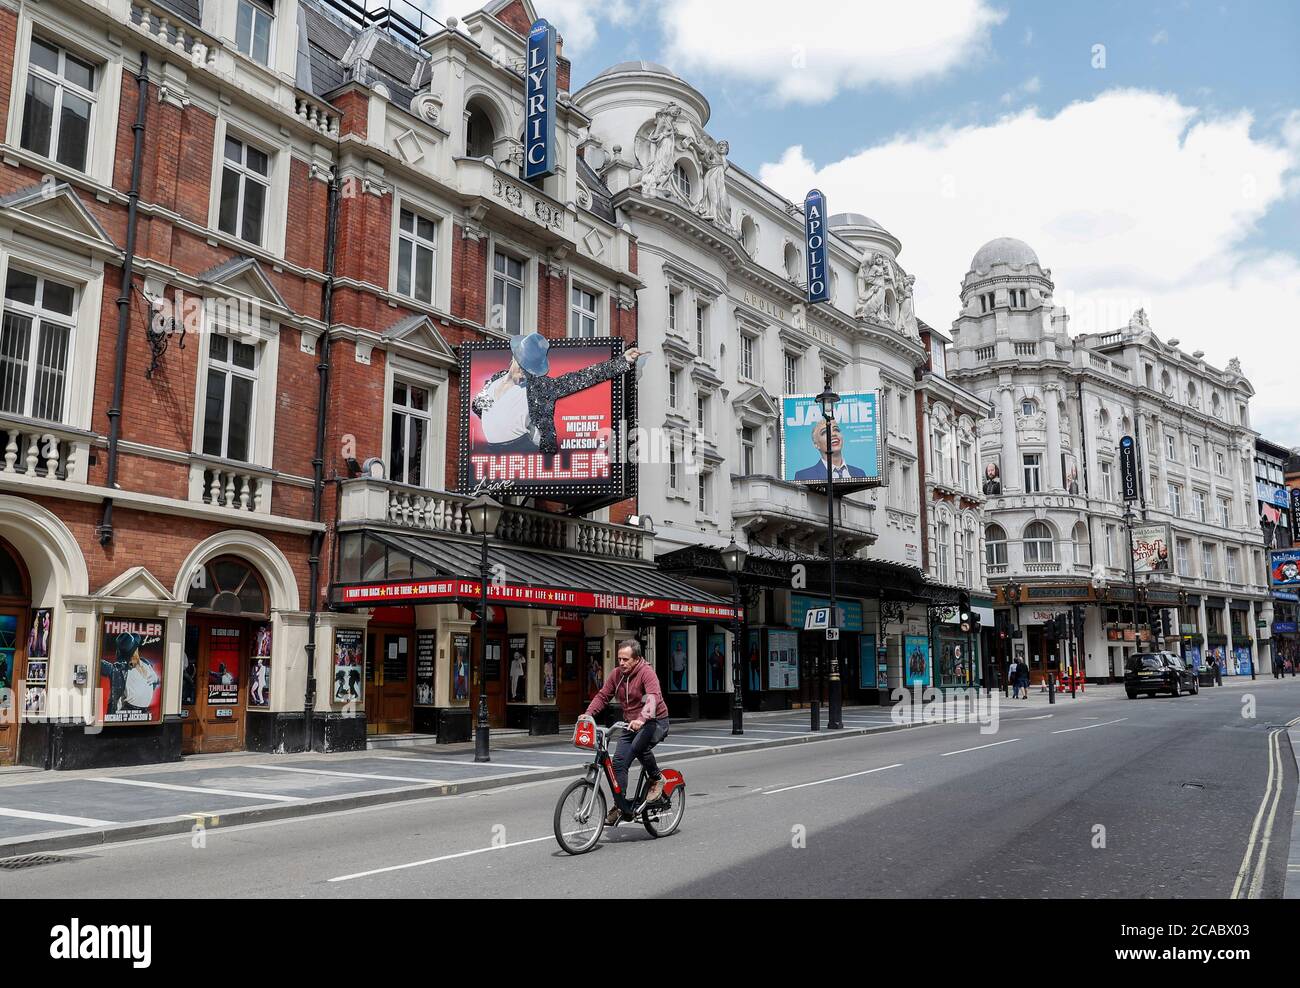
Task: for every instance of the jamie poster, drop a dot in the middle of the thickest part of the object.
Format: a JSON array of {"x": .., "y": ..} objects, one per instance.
[
  {"x": 916, "y": 660},
  {"x": 715, "y": 663},
  {"x": 38, "y": 638},
  {"x": 850, "y": 443},
  {"x": 543, "y": 416},
  {"x": 518, "y": 670},
  {"x": 131, "y": 662},
  {"x": 223, "y": 665},
  {"x": 460, "y": 667},
  {"x": 867, "y": 662},
  {"x": 259, "y": 674},
  {"x": 679, "y": 661},
  {"x": 754, "y": 662},
  {"x": 349, "y": 665}
]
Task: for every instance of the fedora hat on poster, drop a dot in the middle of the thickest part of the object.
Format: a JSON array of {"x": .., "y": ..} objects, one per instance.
[{"x": 530, "y": 353}]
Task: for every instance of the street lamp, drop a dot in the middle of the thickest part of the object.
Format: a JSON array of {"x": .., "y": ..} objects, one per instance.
[
  {"x": 828, "y": 399},
  {"x": 1132, "y": 575},
  {"x": 484, "y": 516},
  {"x": 733, "y": 560}
]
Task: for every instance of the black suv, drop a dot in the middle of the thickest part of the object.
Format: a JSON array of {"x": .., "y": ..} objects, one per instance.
[{"x": 1158, "y": 672}]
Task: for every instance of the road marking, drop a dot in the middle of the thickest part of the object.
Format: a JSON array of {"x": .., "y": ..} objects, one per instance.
[
  {"x": 470, "y": 764},
  {"x": 73, "y": 821},
  {"x": 980, "y": 748},
  {"x": 1259, "y": 816},
  {"x": 445, "y": 857},
  {"x": 838, "y": 778},
  {"x": 353, "y": 775},
  {"x": 1089, "y": 727},
  {"x": 206, "y": 790},
  {"x": 1257, "y": 883}
]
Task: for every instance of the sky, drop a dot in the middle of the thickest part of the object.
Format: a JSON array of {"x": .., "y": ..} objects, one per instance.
[{"x": 1148, "y": 152}]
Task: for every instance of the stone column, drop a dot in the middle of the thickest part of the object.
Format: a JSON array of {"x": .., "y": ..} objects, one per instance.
[
  {"x": 927, "y": 442},
  {"x": 1052, "y": 480},
  {"x": 1010, "y": 449},
  {"x": 1227, "y": 630}
]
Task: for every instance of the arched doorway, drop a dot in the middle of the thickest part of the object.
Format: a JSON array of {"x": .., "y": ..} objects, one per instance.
[
  {"x": 227, "y": 654},
  {"x": 15, "y": 610}
]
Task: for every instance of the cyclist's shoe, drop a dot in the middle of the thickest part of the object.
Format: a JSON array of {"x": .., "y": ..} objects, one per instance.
[
  {"x": 656, "y": 791},
  {"x": 613, "y": 817}
]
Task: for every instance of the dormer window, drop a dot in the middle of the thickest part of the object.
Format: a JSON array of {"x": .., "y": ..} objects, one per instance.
[{"x": 253, "y": 29}]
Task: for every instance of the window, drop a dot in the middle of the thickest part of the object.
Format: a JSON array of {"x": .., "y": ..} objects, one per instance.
[
  {"x": 672, "y": 310},
  {"x": 1209, "y": 569},
  {"x": 700, "y": 320},
  {"x": 583, "y": 312},
  {"x": 253, "y": 30},
  {"x": 702, "y": 492},
  {"x": 244, "y": 189},
  {"x": 1107, "y": 481},
  {"x": 958, "y": 556},
  {"x": 791, "y": 373},
  {"x": 1033, "y": 472},
  {"x": 1225, "y": 512},
  {"x": 1175, "y": 500},
  {"x": 480, "y": 135},
  {"x": 995, "y": 546},
  {"x": 964, "y": 464},
  {"x": 747, "y": 457},
  {"x": 1218, "y": 463},
  {"x": 228, "y": 412},
  {"x": 410, "y": 421},
  {"x": 1214, "y": 618},
  {"x": 1196, "y": 454},
  {"x": 417, "y": 253},
  {"x": 747, "y": 357},
  {"x": 968, "y": 548},
  {"x": 672, "y": 467},
  {"x": 941, "y": 549},
  {"x": 984, "y": 304},
  {"x": 1027, "y": 408},
  {"x": 683, "y": 180},
  {"x": 1038, "y": 543},
  {"x": 1112, "y": 545},
  {"x": 1019, "y": 298},
  {"x": 1082, "y": 550},
  {"x": 35, "y": 341},
  {"x": 1171, "y": 447},
  {"x": 988, "y": 301},
  {"x": 57, "y": 106},
  {"x": 701, "y": 410},
  {"x": 1183, "y": 552},
  {"x": 1234, "y": 558},
  {"x": 1198, "y": 505},
  {"x": 674, "y": 379},
  {"x": 507, "y": 293}
]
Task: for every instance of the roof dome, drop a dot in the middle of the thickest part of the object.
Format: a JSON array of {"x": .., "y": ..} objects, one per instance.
[
  {"x": 852, "y": 219},
  {"x": 640, "y": 65},
  {"x": 1004, "y": 250}
]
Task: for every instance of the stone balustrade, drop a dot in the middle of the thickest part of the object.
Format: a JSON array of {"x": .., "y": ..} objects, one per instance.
[{"x": 39, "y": 451}]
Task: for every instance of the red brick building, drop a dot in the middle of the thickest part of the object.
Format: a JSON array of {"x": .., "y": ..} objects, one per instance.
[{"x": 198, "y": 461}]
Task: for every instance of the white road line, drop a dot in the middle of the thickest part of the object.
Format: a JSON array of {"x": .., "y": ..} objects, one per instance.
[
  {"x": 445, "y": 857},
  {"x": 838, "y": 778},
  {"x": 1089, "y": 727},
  {"x": 470, "y": 764},
  {"x": 353, "y": 775},
  {"x": 576, "y": 753},
  {"x": 1254, "y": 830},
  {"x": 1257, "y": 883},
  {"x": 74, "y": 821},
  {"x": 980, "y": 748},
  {"x": 206, "y": 790}
]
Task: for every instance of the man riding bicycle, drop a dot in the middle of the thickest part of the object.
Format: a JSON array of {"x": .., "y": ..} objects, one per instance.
[{"x": 637, "y": 688}]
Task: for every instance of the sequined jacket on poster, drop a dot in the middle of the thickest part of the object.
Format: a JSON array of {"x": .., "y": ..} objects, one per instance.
[{"x": 544, "y": 392}]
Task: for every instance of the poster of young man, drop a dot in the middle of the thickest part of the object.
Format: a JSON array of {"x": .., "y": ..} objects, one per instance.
[
  {"x": 1070, "y": 473},
  {"x": 223, "y": 666},
  {"x": 543, "y": 416},
  {"x": 131, "y": 663},
  {"x": 595, "y": 676},
  {"x": 916, "y": 660},
  {"x": 847, "y": 447},
  {"x": 259, "y": 675},
  {"x": 518, "y": 670},
  {"x": 754, "y": 664},
  {"x": 460, "y": 667},
  {"x": 679, "y": 666},
  {"x": 349, "y": 665},
  {"x": 715, "y": 665},
  {"x": 548, "y": 668},
  {"x": 38, "y": 637}
]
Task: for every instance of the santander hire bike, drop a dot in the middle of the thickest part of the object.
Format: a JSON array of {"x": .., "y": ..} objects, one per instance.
[{"x": 580, "y": 812}]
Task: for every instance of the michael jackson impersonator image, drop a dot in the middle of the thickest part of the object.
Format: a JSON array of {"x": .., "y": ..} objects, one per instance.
[
  {"x": 517, "y": 405},
  {"x": 636, "y": 687}
]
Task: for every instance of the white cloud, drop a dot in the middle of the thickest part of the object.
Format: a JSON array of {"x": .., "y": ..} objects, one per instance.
[
  {"x": 807, "y": 52},
  {"x": 1160, "y": 37},
  {"x": 1029, "y": 87},
  {"x": 1131, "y": 198}
]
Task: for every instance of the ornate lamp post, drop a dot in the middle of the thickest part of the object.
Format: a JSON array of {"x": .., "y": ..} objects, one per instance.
[
  {"x": 828, "y": 399},
  {"x": 733, "y": 560},
  {"x": 484, "y": 516}
]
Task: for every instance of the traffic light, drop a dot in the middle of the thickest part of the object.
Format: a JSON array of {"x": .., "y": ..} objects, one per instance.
[
  {"x": 965, "y": 616},
  {"x": 1079, "y": 612}
]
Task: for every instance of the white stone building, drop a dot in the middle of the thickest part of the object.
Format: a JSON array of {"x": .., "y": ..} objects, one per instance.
[{"x": 1055, "y": 530}]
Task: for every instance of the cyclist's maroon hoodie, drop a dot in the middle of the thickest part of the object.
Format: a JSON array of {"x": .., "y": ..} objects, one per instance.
[{"x": 638, "y": 691}]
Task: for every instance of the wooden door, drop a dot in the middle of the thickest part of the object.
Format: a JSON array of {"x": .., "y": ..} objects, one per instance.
[
  {"x": 496, "y": 679},
  {"x": 13, "y": 632},
  {"x": 569, "y": 693},
  {"x": 389, "y": 681},
  {"x": 214, "y": 685}
]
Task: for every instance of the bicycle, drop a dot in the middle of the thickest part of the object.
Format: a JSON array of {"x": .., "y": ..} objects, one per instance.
[{"x": 580, "y": 811}]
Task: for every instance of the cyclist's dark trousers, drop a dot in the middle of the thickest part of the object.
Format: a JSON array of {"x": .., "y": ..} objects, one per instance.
[{"x": 638, "y": 746}]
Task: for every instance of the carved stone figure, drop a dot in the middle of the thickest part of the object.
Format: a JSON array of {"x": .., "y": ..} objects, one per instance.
[
  {"x": 874, "y": 278},
  {"x": 1234, "y": 366},
  {"x": 1140, "y": 319},
  {"x": 715, "y": 203},
  {"x": 658, "y": 175},
  {"x": 906, "y": 304}
]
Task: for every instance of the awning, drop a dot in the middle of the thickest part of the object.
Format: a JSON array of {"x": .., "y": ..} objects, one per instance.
[{"x": 440, "y": 570}]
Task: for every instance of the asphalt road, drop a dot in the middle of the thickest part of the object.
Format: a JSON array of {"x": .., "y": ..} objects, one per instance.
[{"x": 1112, "y": 798}]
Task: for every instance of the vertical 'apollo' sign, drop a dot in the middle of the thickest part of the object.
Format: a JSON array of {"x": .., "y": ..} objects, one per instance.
[
  {"x": 814, "y": 240},
  {"x": 539, "y": 103}
]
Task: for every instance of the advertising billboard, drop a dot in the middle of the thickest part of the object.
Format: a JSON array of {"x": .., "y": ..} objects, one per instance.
[
  {"x": 1284, "y": 568},
  {"x": 1151, "y": 549},
  {"x": 850, "y": 443},
  {"x": 131, "y": 659},
  {"x": 544, "y": 417}
]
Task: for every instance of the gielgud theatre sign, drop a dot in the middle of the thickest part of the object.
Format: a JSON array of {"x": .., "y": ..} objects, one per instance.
[{"x": 545, "y": 417}]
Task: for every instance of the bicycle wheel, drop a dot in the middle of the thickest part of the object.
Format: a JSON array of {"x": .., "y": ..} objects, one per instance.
[
  {"x": 665, "y": 820},
  {"x": 579, "y": 817}
]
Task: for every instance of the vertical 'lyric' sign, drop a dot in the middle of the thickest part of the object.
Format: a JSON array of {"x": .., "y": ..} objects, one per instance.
[
  {"x": 814, "y": 230},
  {"x": 539, "y": 102}
]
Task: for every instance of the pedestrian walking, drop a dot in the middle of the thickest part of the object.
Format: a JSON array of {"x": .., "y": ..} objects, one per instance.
[
  {"x": 1023, "y": 672},
  {"x": 1013, "y": 680}
]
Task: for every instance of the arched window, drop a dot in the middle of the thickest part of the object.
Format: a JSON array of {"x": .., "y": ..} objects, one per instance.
[
  {"x": 1027, "y": 407},
  {"x": 941, "y": 540},
  {"x": 749, "y": 234},
  {"x": 13, "y": 581},
  {"x": 1038, "y": 543},
  {"x": 968, "y": 548},
  {"x": 480, "y": 135},
  {"x": 1082, "y": 550},
  {"x": 227, "y": 585},
  {"x": 995, "y": 546},
  {"x": 683, "y": 179},
  {"x": 793, "y": 264}
]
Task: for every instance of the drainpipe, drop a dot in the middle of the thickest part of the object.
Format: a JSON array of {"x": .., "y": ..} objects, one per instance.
[
  {"x": 105, "y": 528},
  {"x": 318, "y": 461}
]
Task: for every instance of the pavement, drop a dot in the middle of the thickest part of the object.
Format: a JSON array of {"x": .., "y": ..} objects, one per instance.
[{"x": 1095, "y": 797}]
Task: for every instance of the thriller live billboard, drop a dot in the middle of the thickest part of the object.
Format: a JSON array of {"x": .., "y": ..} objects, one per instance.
[{"x": 546, "y": 417}]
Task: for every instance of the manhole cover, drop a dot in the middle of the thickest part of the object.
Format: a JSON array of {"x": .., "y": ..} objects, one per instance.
[{"x": 28, "y": 861}]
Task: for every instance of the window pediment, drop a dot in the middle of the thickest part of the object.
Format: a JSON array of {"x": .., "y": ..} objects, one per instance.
[
  {"x": 244, "y": 276},
  {"x": 417, "y": 337},
  {"x": 57, "y": 211},
  {"x": 757, "y": 402}
]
